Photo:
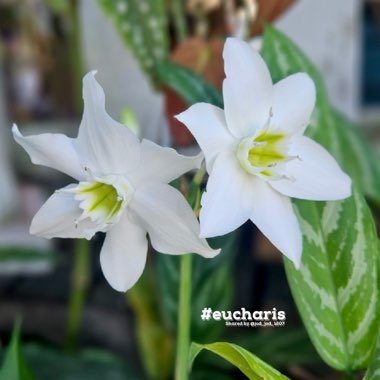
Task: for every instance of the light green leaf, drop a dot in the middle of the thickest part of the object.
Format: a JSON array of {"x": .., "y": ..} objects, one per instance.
[
  {"x": 14, "y": 366},
  {"x": 344, "y": 140},
  {"x": 189, "y": 85},
  {"x": 336, "y": 287},
  {"x": 142, "y": 25},
  {"x": 253, "y": 367}
]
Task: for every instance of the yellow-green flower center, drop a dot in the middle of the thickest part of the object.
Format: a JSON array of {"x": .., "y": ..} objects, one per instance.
[
  {"x": 103, "y": 199},
  {"x": 262, "y": 153}
]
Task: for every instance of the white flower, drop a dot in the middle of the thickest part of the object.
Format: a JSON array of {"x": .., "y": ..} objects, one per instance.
[
  {"x": 122, "y": 190},
  {"x": 256, "y": 153}
]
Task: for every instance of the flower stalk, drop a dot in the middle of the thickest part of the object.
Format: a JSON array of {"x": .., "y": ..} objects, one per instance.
[
  {"x": 79, "y": 285},
  {"x": 184, "y": 319}
]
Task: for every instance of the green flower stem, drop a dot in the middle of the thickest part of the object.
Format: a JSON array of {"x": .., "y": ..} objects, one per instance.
[
  {"x": 180, "y": 26},
  {"x": 184, "y": 318},
  {"x": 75, "y": 55},
  {"x": 79, "y": 284},
  {"x": 199, "y": 175}
]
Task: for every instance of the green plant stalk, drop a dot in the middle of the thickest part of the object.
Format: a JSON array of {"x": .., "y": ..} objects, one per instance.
[
  {"x": 180, "y": 26},
  {"x": 79, "y": 285},
  {"x": 184, "y": 319},
  {"x": 75, "y": 55}
]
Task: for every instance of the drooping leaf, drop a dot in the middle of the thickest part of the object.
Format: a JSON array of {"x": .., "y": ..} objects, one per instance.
[
  {"x": 253, "y": 367},
  {"x": 344, "y": 140},
  {"x": 14, "y": 366},
  {"x": 142, "y": 24},
  {"x": 189, "y": 85}
]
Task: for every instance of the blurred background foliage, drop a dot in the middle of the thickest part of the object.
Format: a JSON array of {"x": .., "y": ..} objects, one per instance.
[{"x": 74, "y": 326}]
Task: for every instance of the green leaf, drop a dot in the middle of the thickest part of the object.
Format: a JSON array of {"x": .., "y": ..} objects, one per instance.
[
  {"x": 253, "y": 367},
  {"x": 90, "y": 364},
  {"x": 189, "y": 85},
  {"x": 142, "y": 24},
  {"x": 14, "y": 366},
  {"x": 336, "y": 287},
  {"x": 344, "y": 140}
]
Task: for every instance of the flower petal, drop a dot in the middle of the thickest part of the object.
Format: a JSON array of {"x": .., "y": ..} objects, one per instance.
[
  {"x": 208, "y": 125},
  {"x": 105, "y": 145},
  {"x": 56, "y": 218},
  {"x": 161, "y": 164},
  {"x": 293, "y": 103},
  {"x": 123, "y": 255},
  {"x": 315, "y": 175},
  {"x": 169, "y": 220},
  {"x": 53, "y": 150},
  {"x": 274, "y": 216},
  {"x": 226, "y": 203},
  {"x": 247, "y": 89}
]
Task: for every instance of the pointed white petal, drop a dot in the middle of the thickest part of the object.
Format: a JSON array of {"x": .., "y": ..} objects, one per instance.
[
  {"x": 226, "y": 204},
  {"x": 53, "y": 150},
  {"x": 57, "y": 218},
  {"x": 105, "y": 145},
  {"x": 123, "y": 255},
  {"x": 315, "y": 175},
  {"x": 293, "y": 103},
  {"x": 161, "y": 164},
  {"x": 274, "y": 216},
  {"x": 247, "y": 89},
  {"x": 208, "y": 125},
  {"x": 169, "y": 220}
]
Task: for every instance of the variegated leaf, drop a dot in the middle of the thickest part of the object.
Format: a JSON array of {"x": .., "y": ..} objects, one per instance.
[
  {"x": 336, "y": 287},
  {"x": 143, "y": 26}
]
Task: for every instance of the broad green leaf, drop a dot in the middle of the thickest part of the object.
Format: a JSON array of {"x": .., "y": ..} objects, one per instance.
[
  {"x": 89, "y": 364},
  {"x": 335, "y": 288},
  {"x": 253, "y": 367},
  {"x": 156, "y": 344},
  {"x": 189, "y": 85},
  {"x": 14, "y": 366},
  {"x": 142, "y": 24},
  {"x": 344, "y": 140}
]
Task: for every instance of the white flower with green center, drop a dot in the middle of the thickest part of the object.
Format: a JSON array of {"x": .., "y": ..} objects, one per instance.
[
  {"x": 256, "y": 154},
  {"x": 122, "y": 190}
]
